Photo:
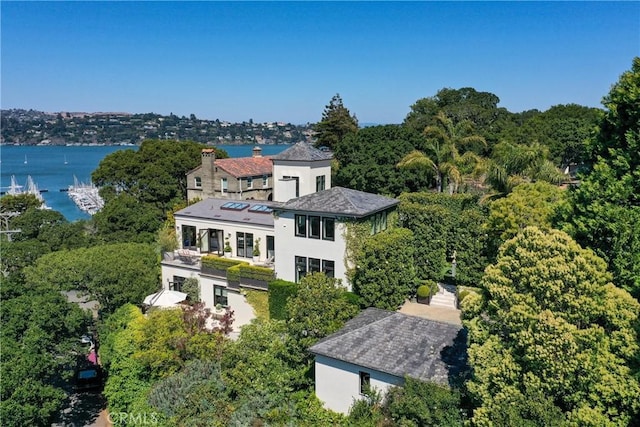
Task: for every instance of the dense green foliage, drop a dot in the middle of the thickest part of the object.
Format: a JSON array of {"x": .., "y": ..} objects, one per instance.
[
  {"x": 535, "y": 204},
  {"x": 418, "y": 403},
  {"x": 336, "y": 123},
  {"x": 444, "y": 225},
  {"x": 279, "y": 292},
  {"x": 366, "y": 160},
  {"x": 554, "y": 330},
  {"x": 139, "y": 350},
  {"x": 384, "y": 273},
  {"x": 606, "y": 213},
  {"x": 140, "y": 187},
  {"x": 113, "y": 274},
  {"x": 40, "y": 344}
]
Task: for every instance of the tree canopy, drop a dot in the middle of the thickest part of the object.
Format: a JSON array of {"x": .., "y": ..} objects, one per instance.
[
  {"x": 336, "y": 123},
  {"x": 552, "y": 327},
  {"x": 606, "y": 214}
]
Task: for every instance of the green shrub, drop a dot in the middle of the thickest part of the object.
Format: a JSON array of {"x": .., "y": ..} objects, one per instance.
[
  {"x": 219, "y": 263},
  {"x": 233, "y": 273},
  {"x": 254, "y": 272},
  {"x": 191, "y": 287},
  {"x": 428, "y": 289},
  {"x": 279, "y": 292},
  {"x": 352, "y": 298}
]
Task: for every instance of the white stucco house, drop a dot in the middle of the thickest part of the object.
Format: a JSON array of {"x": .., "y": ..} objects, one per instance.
[
  {"x": 378, "y": 349},
  {"x": 300, "y": 231}
]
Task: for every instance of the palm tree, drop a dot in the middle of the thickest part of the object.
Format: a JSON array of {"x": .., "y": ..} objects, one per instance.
[
  {"x": 513, "y": 164},
  {"x": 440, "y": 157}
]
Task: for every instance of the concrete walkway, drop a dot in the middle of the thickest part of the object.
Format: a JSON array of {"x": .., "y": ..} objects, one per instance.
[{"x": 441, "y": 314}]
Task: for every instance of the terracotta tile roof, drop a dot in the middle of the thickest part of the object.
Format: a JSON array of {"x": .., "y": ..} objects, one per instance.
[{"x": 246, "y": 166}]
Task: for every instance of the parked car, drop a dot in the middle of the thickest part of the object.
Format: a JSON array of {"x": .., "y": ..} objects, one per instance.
[{"x": 88, "y": 377}]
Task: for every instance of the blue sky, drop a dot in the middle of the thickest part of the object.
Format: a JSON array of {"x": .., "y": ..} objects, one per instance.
[{"x": 284, "y": 61}]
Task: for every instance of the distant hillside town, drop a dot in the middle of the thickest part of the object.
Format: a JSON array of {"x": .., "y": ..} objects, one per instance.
[{"x": 30, "y": 127}]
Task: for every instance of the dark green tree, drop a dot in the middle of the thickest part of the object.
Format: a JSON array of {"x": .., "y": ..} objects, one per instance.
[
  {"x": 551, "y": 327},
  {"x": 606, "y": 214},
  {"x": 336, "y": 123},
  {"x": 367, "y": 159},
  {"x": 384, "y": 274}
]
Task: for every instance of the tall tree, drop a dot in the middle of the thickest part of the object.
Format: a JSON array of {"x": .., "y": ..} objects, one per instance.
[
  {"x": 441, "y": 156},
  {"x": 554, "y": 328},
  {"x": 606, "y": 213},
  {"x": 366, "y": 160},
  {"x": 336, "y": 123}
]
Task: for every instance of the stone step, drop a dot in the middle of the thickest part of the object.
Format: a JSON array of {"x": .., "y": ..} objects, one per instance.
[{"x": 444, "y": 300}]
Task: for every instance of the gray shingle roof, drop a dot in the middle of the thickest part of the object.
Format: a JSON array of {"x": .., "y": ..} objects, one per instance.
[
  {"x": 341, "y": 201},
  {"x": 211, "y": 209},
  {"x": 399, "y": 345},
  {"x": 303, "y": 151}
]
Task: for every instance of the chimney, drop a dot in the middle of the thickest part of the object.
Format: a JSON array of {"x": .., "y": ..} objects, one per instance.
[{"x": 257, "y": 152}]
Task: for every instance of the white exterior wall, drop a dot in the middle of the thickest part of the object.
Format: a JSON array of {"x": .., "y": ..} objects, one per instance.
[
  {"x": 305, "y": 173},
  {"x": 338, "y": 382},
  {"x": 288, "y": 246},
  {"x": 229, "y": 228}
]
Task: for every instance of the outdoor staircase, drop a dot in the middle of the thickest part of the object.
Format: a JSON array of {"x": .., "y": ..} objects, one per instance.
[{"x": 446, "y": 297}]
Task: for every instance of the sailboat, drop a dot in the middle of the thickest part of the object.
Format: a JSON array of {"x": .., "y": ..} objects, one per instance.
[
  {"x": 25, "y": 159},
  {"x": 65, "y": 159}
]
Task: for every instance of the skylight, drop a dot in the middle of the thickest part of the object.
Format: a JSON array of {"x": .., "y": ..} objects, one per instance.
[
  {"x": 260, "y": 209},
  {"x": 234, "y": 206}
]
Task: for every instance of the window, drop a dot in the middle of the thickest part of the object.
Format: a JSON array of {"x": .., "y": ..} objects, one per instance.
[
  {"x": 244, "y": 244},
  {"x": 188, "y": 237},
  {"x": 329, "y": 268},
  {"x": 314, "y": 265},
  {"x": 378, "y": 222},
  {"x": 224, "y": 185},
  {"x": 365, "y": 382},
  {"x": 328, "y": 228},
  {"x": 220, "y": 296},
  {"x": 301, "y": 268},
  {"x": 319, "y": 183},
  {"x": 198, "y": 182},
  {"x": 176, "y": 285},
  {"x": 314, "y": 227},
  {"x": 301, "y": 225},
  {"x": 249, "y": 182},
  {"x": 265, "y": 181}
]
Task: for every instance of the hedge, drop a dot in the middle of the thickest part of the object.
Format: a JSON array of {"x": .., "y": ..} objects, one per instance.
[
  {"x": 220, "y": 263},
  {"x": 279, "y": 292}
]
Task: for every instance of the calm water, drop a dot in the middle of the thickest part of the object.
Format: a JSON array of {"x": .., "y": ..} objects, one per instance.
[{"x": 53, "y": 168}]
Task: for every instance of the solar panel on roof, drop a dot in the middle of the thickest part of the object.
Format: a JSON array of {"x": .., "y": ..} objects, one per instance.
[{"x": 260, "y": 209}]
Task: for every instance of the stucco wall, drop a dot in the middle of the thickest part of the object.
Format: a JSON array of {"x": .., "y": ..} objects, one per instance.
[
  {"x": 288, "y": 246},
  {"x": 338, "y": 383}
]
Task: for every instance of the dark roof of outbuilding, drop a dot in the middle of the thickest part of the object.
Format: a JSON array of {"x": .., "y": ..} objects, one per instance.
[
  {"x": 212, "y": 209},
  {"x": 341, "y": 201},
  {"x": 303, "y": 151},
  {"x": 399, "y": 345}
]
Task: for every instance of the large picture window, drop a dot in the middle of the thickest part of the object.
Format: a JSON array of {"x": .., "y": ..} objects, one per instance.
[
  {"x": 301, "y": 225},
  {"x": 314, "y": 227}
]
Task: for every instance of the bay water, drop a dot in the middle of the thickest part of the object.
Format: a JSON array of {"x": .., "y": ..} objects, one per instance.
[{"x": 53, "y": 168}]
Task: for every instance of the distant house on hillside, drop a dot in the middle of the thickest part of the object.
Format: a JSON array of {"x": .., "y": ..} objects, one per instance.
[{"x": 378, "y": 349}]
